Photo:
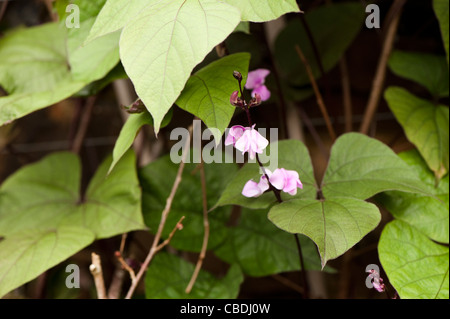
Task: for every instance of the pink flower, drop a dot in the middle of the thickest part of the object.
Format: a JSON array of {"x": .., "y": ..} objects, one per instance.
[
  {"x": 253, "y": 189},
  {"x": 281, "y": 179},
  {"x": 255, "y": 82},
  {"x": 285, "y": 180},
  {"x": 251, "y": 141},
  {"x": 234, "y": 134}
]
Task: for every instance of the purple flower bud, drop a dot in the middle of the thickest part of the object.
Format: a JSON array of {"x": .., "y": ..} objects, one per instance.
[
  {"x": 237, "y": 75},
  {"x": 256, "y": 100}
]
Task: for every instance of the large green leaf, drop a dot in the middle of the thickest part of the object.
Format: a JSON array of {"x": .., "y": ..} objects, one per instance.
[
  {"x": 45, "y": 220},
  {"x": 427, "y": 214},
  {"x": 168, "y": 276},
  {"x": 157, "y": 179},
  {"x": 162, "y": 44},
  {"x": 429, "y": 70},
  {"x": 426, "y": 126},
  {"x": 441, "y": 9},
  {"x": 207, "y": 92},
  {"x": 361, "y": 167},
  {"x": 261, "y": 249},
  {"x": 42, "y": 65},
  {"x": 261, "y": 11},
  {"x": 115, "y": 14},
  {"x": 289, "y": 154},
  {"x": 335, "y": 224},
  {"x": 333, "y": 37},
  {"x": 416, "y": 266}
]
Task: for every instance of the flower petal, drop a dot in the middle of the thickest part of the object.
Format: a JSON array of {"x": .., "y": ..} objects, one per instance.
[
  {"x": 251, "y": 189},
  {"x": 256, "y": 78},
  {"x": 234, "y": 133},
  {"x": 263, "y": 91}
]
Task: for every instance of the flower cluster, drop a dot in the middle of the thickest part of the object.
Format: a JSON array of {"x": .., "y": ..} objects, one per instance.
[
  {"x": 282, "y": 179},
  {"x": 247, "y": 139}
]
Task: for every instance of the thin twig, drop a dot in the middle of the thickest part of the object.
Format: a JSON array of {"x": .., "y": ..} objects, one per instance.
[
  {"x": 84, "y": 123},
  {"x": 319, "y": 98},
  {"x": 378, "y": 82},
  {"x": 164, "y": 215},
  {"x": 125, "y": 266},
  {"x": 122, "y": 243},
  {"x": 97, "y": 273},
  {"x": 202, "y": 255},
  {"x": 315, "y": 135},
  {"x": 347, "y": 94},
  {"x": 178, "y": 226}
]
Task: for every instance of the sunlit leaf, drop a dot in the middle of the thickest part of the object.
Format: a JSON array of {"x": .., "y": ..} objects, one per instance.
[
  {"x": 44, "y": 219},
  {"x": 428, "y": 214},
  {"x": 416, "y": 266},
  {"x": 165, "y": 41},
  {"x": 261, "y": 11},
  {"x": 426, "y": 125}
]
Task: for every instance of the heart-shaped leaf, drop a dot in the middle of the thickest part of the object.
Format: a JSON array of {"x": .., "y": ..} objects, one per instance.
[
  {"x": 169, "y": 275},
  {"x": 428, "y": 214},
  {"x": 416, "y": 266},
  {"x": 261, "y": 11},
  {"x": 361, "y": 167},
  {"x": 261, "y": 249},
  {"x": 426, "y": 126},
  {"x": 55, "y": 221},
  {"x": 42, "y": 65},
  {"x": 288, "y": 154},
  {"x": 162, "y": 44},
  {"x": 429, "y": 70},
  {"x": 335, "y": 224},
  {"x": 207, "y": 92}
]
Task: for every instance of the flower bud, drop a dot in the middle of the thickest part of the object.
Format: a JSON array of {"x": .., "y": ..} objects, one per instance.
[{"x": 237, "y": 75}]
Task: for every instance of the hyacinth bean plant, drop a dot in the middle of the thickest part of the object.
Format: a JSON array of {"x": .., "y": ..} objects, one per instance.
[{"x": 218, "y": 175}]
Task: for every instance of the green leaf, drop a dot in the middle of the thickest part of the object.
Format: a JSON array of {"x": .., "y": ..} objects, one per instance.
[
  {"x": 441, "y": 9},
  {"x": 416, "y": 266},
  {"x": 361, "y": 167},
  {"x": 429, "y": 70},
  {"x": 289, "y": 154},
  {"x": 92, "y": 61},
  {"x": 42, "y": 65},
  {"x": 129, "y": 132},
  {"x": 335, "y": 224},
  {"x": 157, "y": 179},
  {"x": 169, "y": 275},
  {"x": 425, "y": 125},
  {"x": 343, "y": 23},
  {"x": 115, "y": 14},
  {"x": 26, "y": 254},
  {"x": 261, "y": 249},
  {"x": 262, "y": 11},
  {"x": 428, "y": 214},
  {"x": 207, "y": 92},
  {"x": 162, "y": 45},
  {"x": 55, "y": 221}
]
